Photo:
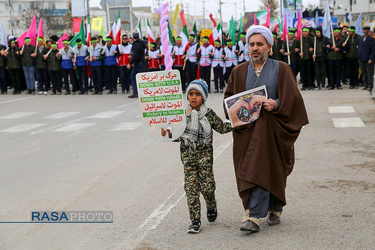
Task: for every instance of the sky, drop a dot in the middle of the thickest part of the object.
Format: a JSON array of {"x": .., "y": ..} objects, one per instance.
[{"x": 229, "y": 7}]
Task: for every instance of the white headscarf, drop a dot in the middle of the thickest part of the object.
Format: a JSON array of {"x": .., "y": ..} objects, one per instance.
[{"x": 259, "y": 29}]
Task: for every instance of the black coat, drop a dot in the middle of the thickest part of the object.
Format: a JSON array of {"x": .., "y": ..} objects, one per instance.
[{"x": 138, "y": 52}]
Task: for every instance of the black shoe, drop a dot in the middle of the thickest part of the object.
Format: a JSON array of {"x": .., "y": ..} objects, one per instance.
[
  {"x": 95, "y": 93},
  {"x": 273, "y": 219},
  {"x": 364, "y": 88},
  {"x": 195, "y": 227},
  {"x": 100, "y": 93},
  {"x": 73, "y": 93},
  {"x": 67, "y": 93},
  {"x": 331, "y": 88},
  {"x": 53, "y": 93},
  {"x": 209, "y": 91},
  {"x": 303, "y": 88},
  {"x": 109, "y": 92},
  {"x": 115, "y": 92},
  {"x": 339, "y": 87},
  {"x": 355, "y": 87},
  {"x": 212, "y": 214},
  {"x": 221, "y": 91},
  {"x": 133, "y": 96},
  {"x": 216, "y": 91},
  {"x": 81, "y": 93},
  {"x": 249, "y": 226},
  {"x": 351, "y": 87}
]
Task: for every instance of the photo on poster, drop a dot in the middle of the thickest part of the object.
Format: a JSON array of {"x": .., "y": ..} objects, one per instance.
[{"x": 242, "y": 108}]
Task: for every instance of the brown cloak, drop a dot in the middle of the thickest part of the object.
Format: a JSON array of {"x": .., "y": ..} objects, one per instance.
[{"x": 263, "y": 151}]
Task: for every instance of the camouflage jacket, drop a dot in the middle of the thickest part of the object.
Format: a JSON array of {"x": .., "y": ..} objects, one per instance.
[{"x": 204, "y": 150}]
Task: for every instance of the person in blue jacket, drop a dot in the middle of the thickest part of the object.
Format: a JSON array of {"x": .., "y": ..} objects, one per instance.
[
  {"x": 111, "y": 51},
  {"x": 80, "y": 52}
]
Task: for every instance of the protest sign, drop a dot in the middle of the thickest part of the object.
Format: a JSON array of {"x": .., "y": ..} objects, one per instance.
[{"x": 162, "y": 104}]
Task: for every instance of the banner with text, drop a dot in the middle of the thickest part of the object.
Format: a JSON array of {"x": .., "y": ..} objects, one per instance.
[{"x": 162, "y": 103}]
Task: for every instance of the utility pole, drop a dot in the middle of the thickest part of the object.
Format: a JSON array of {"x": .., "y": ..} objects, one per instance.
[
  {"x": 243, "y": 3},
  {"x": 204, "y": 12},
  {"x": 11, "y": 17},
  {"x": 220, "y": 3}
]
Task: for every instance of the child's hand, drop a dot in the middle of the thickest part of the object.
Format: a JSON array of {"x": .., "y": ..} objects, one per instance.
[{"x": 164, "y": 132}]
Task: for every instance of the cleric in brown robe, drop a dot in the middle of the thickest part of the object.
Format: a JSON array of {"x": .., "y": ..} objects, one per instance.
[{"x": 263, "y": 151}]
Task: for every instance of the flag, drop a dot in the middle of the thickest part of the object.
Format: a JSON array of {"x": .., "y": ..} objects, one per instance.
[
  {"x": 117, "y": 38},
  {"x": 185, "y": 36},
  {"x": 150, "y": 36},
  {"x": 240, "y": 29},
  {"x": 195, "y": 32},
  {"x": 268, "y": 21},
  {"x": 140, "y": 31},
  {"x": 216, "y": 34},
  {"x": 299, "y": 25},
  {"x": 88, "y": 41},
  {"x": 97, "y": 23},
  {"x": 171, "y": 41},
  {"x": 316, "y": 20},
  {"x": 32, "y": 31},
  {"x": 80, "y": 35},
  {"x": 174, "y": 19},
  {"x": 21, "y": 38},
  {"x": 182, "y": 16},
  {"x": 358, "y": 25},
  {"x": 285, "y": 30},
  {"x": 232, "y": 29},
  {"x": 348, "y": 17},
  {"x": 102, "y": 29},
  {"x": 255, "y": 19},
  {"x": 261, "y": 16},
  {"x": 76, "y": 24},
  {"x": 88, "y": 32},
  {"x": 113, "y": 30},
  {"x": 327, "y": 22},
  {"x": 3, "y": 36},
  {"x": 60, "y": 44},
  {"x": 40, "y": 30}
]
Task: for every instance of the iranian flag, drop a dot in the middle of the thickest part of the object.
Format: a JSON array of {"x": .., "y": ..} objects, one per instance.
[
  {"x": 185, "y": 37},
  {"x": 217, "y": 33},
  {"x": 139, "y": 29},
  {"x": 150, "y": 36},
  {"x": 117, "y": 38}
]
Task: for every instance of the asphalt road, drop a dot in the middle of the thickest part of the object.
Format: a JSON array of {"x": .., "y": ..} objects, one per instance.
[{"x": 91, "y": 153}]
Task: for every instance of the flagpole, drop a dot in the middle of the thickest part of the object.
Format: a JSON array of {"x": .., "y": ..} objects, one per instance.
[
  {"x": 314, "y": 47},
  {"x": 333, "y": 39},
  {"x": 287, "y": 46}
]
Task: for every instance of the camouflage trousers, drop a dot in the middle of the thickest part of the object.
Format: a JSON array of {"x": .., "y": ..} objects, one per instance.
[{"x": 199, "y": 178}]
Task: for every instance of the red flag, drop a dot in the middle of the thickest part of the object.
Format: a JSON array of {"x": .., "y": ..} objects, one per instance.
[
  {"x": 40, "y": 28},
  {"x": 32, "y": 31},
  {"x": 255, "y": 19},
  {"x": 60, "y": 44},
  {"x": 299, "y": 25},
  {"x": 285, "y": 31},
  {"x": 268, "y": 22},
  {"x": 21, "y": 38},
  {"x": 76, "y": 25},
  {"x": 182, "y": 16},
  {"x": 213, "y": 20}
]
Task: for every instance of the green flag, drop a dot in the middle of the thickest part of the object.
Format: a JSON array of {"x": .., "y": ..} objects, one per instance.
[
  {"x": 195, "y": 32},
  {"x": 80, "y": 35},
  {"x": 240, "y": 29},
  {"x": 171, "y": 41},
  {"x": 232, "y": 29}
]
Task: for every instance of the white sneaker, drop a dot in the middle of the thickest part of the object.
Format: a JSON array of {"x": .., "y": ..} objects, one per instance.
[
  {"x": 41, "y": 93},
  {"x": 45, "y": 93}
]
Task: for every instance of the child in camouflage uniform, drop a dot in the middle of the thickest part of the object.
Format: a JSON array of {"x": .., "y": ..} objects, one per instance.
[{"x": 197, "y": 153}]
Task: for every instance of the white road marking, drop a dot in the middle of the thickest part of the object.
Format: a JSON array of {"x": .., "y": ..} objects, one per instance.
[
  {"x": 61, "y": 115},
  {"x": 126, "y": 126},
  {"x": 106, "y": 115},
  {"x": 340, "y": 109},
  {"x": 17, "y": 115},
  {"x": 354, "y": 122},
  {"x": 74, "y": 127},
  {"x": 15, "y": 100},
  {"x": 157, "y": 216},
  {"x": 22, "y": 127}
]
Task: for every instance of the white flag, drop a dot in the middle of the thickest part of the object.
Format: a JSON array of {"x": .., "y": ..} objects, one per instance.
[{"x": 3, "y": 36}]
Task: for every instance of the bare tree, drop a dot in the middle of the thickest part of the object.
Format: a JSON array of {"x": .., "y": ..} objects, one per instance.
[
  {"x": 273, "y": 6},
  {"x": 68, "y": 18}
]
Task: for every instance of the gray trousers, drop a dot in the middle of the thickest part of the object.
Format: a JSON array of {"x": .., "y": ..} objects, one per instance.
[
  {"x": 367, "y": 72},
  {"x": 261, "y": 201}
]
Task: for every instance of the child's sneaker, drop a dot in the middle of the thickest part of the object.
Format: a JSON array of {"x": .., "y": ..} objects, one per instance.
[
  {"x": 212, "y": 214},
  {"x": 195, "y": 227}
]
